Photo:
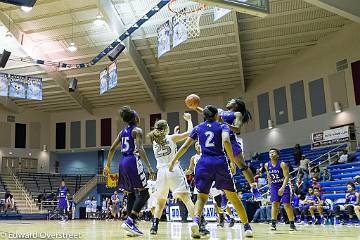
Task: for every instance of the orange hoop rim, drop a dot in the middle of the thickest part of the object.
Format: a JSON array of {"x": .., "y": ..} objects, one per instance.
[{"x": 201, "y": 7}]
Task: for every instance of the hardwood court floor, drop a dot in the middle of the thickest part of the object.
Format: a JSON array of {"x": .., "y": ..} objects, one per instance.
[{"x": 111, "y": 230}]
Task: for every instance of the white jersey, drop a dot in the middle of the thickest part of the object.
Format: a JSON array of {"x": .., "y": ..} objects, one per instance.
[{"x": 166, "y": 153}]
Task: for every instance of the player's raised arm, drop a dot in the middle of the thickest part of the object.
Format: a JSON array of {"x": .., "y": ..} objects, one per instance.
[
  {"x": 181, "y": 152},
  {"x": 191, "y": 167},
  {"x": 178, "y": 137},
  {"x": 111, "y": 155},
  {"x": 138, "y": 136}
]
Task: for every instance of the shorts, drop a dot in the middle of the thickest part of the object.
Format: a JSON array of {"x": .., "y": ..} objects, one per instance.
[
  {"x": 236, "y": 147},
  {"x": 211, "y": 169},
  {"x": 171, "y": 181},
  {"x": 274, "y": 196},
  {"x": 131, "y": 174},
  {"x": 63, "y": 203}
]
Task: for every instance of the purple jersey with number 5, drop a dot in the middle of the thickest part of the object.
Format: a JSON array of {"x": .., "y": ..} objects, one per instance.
[
  {"x": 229, "y": 118},
  {"x": 127, "y": 141}
]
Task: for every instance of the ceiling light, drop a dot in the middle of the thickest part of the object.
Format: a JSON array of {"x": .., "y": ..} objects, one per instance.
[
  {"x": 72, "y": 47},
  {"x": 10, "y": 153},
  {"x": 99, "y": 20},
  {"x": 30, "y": 154},
  {"x": 337, "y": 107},
  {"x": 26, "y": 9}
]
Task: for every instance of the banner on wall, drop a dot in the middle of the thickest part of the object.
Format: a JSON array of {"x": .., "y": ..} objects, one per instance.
[
  {"x": 18, "y": 86},
  {"x": 4, "y": 85},
  {"x": 180, "y": 32},
  {"x": 209, "y": 213},
  {"x": 220, "y": 12},
  {"x": 113, "y": 75},
  {"x": 34, "y": 88},
  {"x": 112, "y": 180},
  {"x": 103, "y": 81},
  {"x": 163, "y": 39},
  {"x": 330, "y": 137}
]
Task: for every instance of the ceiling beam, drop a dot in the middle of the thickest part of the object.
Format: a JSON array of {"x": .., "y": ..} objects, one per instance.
[
  {"x": 110, "y": 14},
  {"x": 238, "y": 46},
  {"x": 30, "y": 47}
]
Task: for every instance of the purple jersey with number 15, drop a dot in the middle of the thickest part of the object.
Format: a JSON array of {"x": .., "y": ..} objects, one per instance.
[{"x": 127, "y": 141}]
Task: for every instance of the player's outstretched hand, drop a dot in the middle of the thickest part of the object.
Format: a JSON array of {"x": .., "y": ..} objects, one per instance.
[
  {"x": 171, "y": 167},
  {"x": 177, "y": 130},
  {"x": 187, "y": 116},
  {"x": 106, "y": 171},
  {"x": 152, "y": 175},
  {"x": 281, "y": 191}
]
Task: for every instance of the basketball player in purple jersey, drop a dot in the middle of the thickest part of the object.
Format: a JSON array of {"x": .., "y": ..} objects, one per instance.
[
  {"x": 235, "y": 116},
  {"x": 131, "y": 171},
  {"x": 278, "y": 178},
  {"x": 212, "y": 166},
  {"x": 62, "y": 193}
]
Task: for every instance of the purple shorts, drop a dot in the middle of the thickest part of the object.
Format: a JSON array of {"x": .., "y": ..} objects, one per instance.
[
  {"x": 285, "y": 198},
  {"x": 211, "y": 169},
  {"x": 236, "y": 148},
  {"x": 63, "y": 203},
  {"x": 131, "y": 174}
]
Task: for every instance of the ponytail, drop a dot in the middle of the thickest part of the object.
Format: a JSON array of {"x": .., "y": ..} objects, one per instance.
[{"x": 241, "y": 107}]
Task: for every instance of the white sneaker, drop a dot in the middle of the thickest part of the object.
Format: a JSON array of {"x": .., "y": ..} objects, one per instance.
[
  {"x": 194, "y": 230},
  {"x": 248, "y": 233}
]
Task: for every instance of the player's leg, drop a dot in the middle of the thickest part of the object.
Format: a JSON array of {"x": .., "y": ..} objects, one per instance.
[
  {"x": 312, "y": 212},
  {"x": 350, "y": 209},
  {"x": 274, "y": 214},
  {"x": 231, "y": 215},
  {"x": 219, "y": 210},
  {"x": 290, "y": 213},
  {"x": 186, "y": 199},
  {"x": 337, "y": 209},
  {"x": 159, "y": 207},
  {"x": 357, "y": 212}
]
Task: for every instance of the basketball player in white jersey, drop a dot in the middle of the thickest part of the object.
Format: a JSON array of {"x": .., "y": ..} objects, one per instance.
[{"x": 164, "y": 146}]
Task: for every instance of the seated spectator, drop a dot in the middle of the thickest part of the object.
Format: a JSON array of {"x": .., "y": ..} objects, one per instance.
[
  {"x": 307, "y": 203},
  {"x": 316, "y": 184},
  {"x": 343, "y": 158},
  {"x": 318, "y": 204},
  {"x": 315, "y": 172},
  {"x": 352, "y": 200},
  {"x": 326, "y": 175},
  {"x": 263, "y": 213}
]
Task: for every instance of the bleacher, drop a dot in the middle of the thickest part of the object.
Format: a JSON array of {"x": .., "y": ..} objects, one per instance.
[
  {"x": 2, "y": 194},
  {"x": 45, "y": 183},
  {"x": 287, "y": 155}
]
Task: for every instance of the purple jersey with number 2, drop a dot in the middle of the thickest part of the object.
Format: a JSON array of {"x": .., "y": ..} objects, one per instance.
[{"x": 212, "y": 165}]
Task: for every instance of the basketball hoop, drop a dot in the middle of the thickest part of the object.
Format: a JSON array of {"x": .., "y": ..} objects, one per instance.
[{"x": 188, "y": 13}]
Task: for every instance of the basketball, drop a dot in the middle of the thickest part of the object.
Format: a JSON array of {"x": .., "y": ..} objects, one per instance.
[{"x": 192, "y": 101}]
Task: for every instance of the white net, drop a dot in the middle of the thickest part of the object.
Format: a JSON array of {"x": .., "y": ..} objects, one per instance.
[{"x": 188, "y": 13}]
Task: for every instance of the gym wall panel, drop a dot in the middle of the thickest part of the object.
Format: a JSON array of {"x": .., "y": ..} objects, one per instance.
[
  {"x": 60, "y": 135},
  {"x": 105, "y": 132},
  {"x": 34, "y": 130},
  {"x": 20, "y": 135},
  {"x": 298, "y": 100},
  {"x": 75, "y": 134},
  {"x": 142, "y": 126},
  {"x": 173, "y": 120},
  {"x": 338, "y": 91},
  {"x": 90, "y": 133},
  {"x": 280, "y": 102},
  {"x": 355, "y": 68},
  {"x": 264, "y": 109},
  {"x": 317, "y": 97},
  {"x": 5, "y": 130}
]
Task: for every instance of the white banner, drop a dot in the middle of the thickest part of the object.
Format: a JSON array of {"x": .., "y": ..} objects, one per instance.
[
  {"x": 220, "y": 12},
  {"x": 330, "y": 137},
  {"x": 209, "y": 213},
  {"x": 163, "y": 39},
  {"x": 4, "y": 85},
  {"x": 180, "y": 32},
  {"x": 103, "y": 81}
]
